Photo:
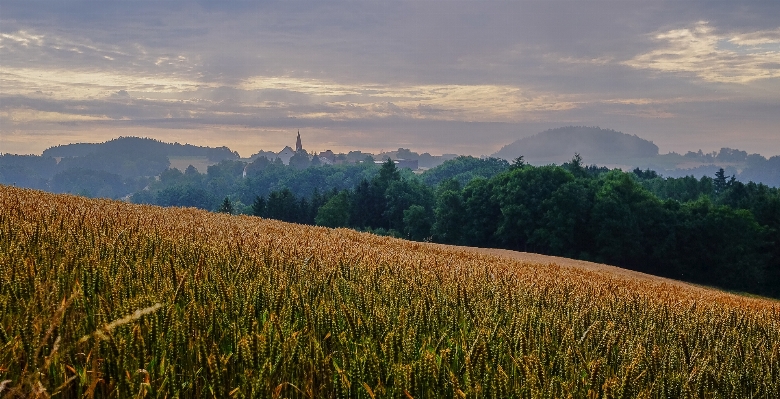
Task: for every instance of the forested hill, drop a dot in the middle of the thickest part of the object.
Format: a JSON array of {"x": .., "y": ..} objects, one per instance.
[
  {"x": 112, "y": 169},
  {"x": 592, "y": 143},
  {"x": 137, "y": 145}
]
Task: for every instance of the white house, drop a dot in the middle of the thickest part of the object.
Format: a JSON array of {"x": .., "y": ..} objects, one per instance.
[{"x": 286, "y": 154}]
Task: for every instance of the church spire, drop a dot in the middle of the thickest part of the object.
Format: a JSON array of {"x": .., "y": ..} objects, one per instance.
[{"x": 298, "y": 146}]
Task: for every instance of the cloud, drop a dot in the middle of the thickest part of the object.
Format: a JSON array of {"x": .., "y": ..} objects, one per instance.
[
  {"x": 756, "y": 39},
  {"x": 449, "y": 102},
  {"x": 30, "y": 115},
  {"x": 701, "y": 51},
  {"x": 82, "y": 84},
  {"x": 21, "y": 38},
  {"x": 465, "y": 76}
]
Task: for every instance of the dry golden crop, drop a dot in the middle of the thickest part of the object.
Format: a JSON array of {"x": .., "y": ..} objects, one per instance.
[{"x": 100, "y": 298}]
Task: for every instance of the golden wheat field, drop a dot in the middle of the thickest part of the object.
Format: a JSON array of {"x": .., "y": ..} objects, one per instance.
[{"x": 105, "y": 299}]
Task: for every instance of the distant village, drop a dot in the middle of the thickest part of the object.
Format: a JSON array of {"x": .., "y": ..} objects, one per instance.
[{"x": 403, "y": 158}]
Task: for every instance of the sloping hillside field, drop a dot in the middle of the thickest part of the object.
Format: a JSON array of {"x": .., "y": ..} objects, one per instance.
[{"x": 106, "y": 299}]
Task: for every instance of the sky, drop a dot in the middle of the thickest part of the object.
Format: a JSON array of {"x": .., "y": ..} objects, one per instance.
[{"x": 464, "y": 77}]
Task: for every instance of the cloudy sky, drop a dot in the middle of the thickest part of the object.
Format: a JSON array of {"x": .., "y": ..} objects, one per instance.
[{"x": 460, "y": 77}]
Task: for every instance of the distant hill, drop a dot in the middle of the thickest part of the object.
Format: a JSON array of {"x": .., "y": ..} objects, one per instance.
[
  {"x": 606, "y": 147},
  {"x": 111, "y": 169},
  {"x": 594, "y": 144},
  {"x": 137, "y": 145}
]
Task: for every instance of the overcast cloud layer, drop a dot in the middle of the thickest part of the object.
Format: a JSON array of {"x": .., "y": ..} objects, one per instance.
[{"x": 437, "y": 76}]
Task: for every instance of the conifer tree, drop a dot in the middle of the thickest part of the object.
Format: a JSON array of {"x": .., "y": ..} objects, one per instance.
[
  {"x": 226, "y": 207},
  {"x": 258, "y": 207}
]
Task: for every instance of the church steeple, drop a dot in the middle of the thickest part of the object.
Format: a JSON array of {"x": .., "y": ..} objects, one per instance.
[{"x": 298, "y": 146}]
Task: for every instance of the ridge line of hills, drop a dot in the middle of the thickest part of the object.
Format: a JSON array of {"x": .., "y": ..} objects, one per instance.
[
  {"x": 589, "y": 142},
  {"x": 143, "y": 160},
  {"x": 606, "y": 147},
  {"x": 139, "y": 146}
]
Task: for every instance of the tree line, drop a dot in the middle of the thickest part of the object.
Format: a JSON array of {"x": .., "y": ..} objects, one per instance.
[
  {"x": 714, "y": 230},
  {"x": 113, "y": 169}
]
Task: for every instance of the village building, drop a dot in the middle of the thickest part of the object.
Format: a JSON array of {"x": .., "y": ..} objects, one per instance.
[
  {"x": 285, "y": 155},
  {"x": 327, "y": 157},
  {"x": 287, "y": 152}
]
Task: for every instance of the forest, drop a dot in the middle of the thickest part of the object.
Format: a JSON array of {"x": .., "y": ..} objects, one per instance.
[{"x": 714, "y": 230}]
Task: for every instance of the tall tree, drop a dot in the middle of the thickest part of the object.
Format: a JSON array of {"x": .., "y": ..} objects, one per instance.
[
  {"x": 335, "y": 212},
  {"x": 627, "y": 223},
  {"x": 388, "y": 173},
  {"x": 369, "y": 202},
  {"x": 721, "y": 246},
  {"x": 520, "y": 193},
  {"x": 367, "y": 205},
  {"x": 449, "y": 213},
  {"x": 482, "y": 213},
  {"x": 400, "y": 195},
  {"x": 258, "y": 206},
  {"x": 720, "y": 182},
  {"x": 576, "y": 166},
  {"x": 282, "y": 205},
  {"x": 305, "y": 213},
  {"x": 565, "y": 216},
  {"x": 226, "y": 207},
  {"x": 417, "y": 223}
]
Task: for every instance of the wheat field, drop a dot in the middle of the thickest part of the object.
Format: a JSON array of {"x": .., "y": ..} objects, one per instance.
[{"x": 105, "y": 299}]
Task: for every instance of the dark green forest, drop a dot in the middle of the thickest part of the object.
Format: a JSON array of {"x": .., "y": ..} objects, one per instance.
[{"x": 714, "y": 230}]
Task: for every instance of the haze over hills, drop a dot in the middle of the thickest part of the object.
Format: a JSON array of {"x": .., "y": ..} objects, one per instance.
[
  {"x": 115, "y": 163},
  {"x": 606, "y": 147},
  {"x": 133, "y": 145},
  {"x": 594, "y": 144}
]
